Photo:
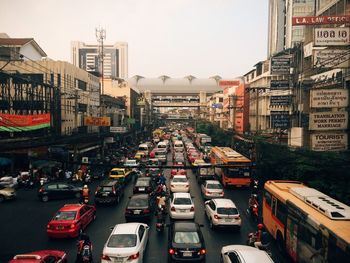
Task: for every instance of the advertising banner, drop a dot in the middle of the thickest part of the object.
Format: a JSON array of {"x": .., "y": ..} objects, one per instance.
[
  {"x": 97, "y": 121},
  {"x": 280, "y": 120},
  {"x": 332, "y": 36},
  {"x": 331, "y": 77},
  {"x": 331, "y": 58},
  {"x": 329, "y": 141},
  {"x": 279, "y": 84},
  {"x": 280, "y": 65},
  {"x": 280, "y": 100},
  {"x": 117, "y": 129},
  {"x": 229, "y": 83},
  {"x": 320, "y": 20},
  {"x": 322, "y": 121},
  {"x": 21, "y": 123},
  {"x": 329, "y": 98}
]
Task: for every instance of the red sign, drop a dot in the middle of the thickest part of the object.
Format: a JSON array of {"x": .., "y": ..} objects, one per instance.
[
  {"x": 319, "y": 20},
  {"x": 97, "y": 121},
  {"x": 13, "y": 120},
  {"x": 229, "y": 82}
]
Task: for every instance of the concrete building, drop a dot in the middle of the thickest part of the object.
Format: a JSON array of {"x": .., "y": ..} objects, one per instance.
[
  {"x": 276, "y": 27},
  {"x": 115, "y": 61},
  {"x": 214, "y": 109}
]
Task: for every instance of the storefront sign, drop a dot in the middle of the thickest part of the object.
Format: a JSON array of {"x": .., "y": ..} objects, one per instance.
[
  {"x": 280, "y": 65},
  {"x": 97, "y": 121},
  {"x": 279, "y": 84},
  {"x": 117, "y": 129},
  {"x": 280, "y": 100},
  {"x": 331, "y": 77},
  {"x": 331, "y": 58},
  {"x": 229, "y": 83},
  {"x": 280, "y": 120},
  {"x": 322, "y": 121},
  {"x": 329, "y": 98},
  {"x": 332, "y": 36},
  {"x": 329, "y": 142},
  {"x": 319, "y": 20}
]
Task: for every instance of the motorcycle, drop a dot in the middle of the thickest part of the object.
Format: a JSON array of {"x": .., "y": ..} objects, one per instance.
[
  {"x": 265, "y": 245},
  {"x": 253, "y": 208},
  {"x": 85, "y": 254},
  {"x": 160, "y": 224}
]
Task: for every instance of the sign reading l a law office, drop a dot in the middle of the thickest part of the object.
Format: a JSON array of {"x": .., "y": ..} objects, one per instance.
[
  {"x": 329, "y": 98},
  {"x": 322, "y": 121},
  {"x": 332, "y": 36},
  {"x": 320, "y": 20},
  {"x": 329, "y": 141}
]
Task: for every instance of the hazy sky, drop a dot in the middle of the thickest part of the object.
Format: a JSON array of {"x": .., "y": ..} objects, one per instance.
[{"x": 165, "y": 37}]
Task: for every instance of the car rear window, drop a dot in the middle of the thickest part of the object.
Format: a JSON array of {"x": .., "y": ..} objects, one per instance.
[
  {"x": 138, "y": 202},
  {"x": 122, "y": 240},
  {"x": 186, "y": 238},
  {"x": 65, "y": 215},
  {"x": 227, "y": 211},
  {"x": 214, "y": 186},
  {"x": 179, "y": 180},
  {"x": 182, "y": 201},
  {"x": 142, "y": 183}
]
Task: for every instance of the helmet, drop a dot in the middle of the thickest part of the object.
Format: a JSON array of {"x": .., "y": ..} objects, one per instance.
[
  {"x": 260, "y": 226},
  {"x": 85, "y": 186}
]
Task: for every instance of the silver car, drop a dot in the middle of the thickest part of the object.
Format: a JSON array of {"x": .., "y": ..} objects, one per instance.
[{"x": 212, "y": 189}]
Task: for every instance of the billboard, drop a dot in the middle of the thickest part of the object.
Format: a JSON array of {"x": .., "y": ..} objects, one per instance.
[
  {"x": 280, "y": 65},
  {"x": 279, "y": 84},
  {"x": 332, "y": 36},
  {"x": 22, "y": 123},
  {"x": 97, "y": 121},
  {"x": 320, "y": 20},
  {"x": 280, "y": 100},
  {"x": 229, "y": 83},
  {"x": 329, "y": 98},
  {"x": 329, "y": 141},
  {"x": 331, "y": 58},
  {"x": 280, "y": 120},
  {"x": 323, "y": 121}
]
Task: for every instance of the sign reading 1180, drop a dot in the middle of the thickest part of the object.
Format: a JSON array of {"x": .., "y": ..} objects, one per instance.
[{"x": 332, "y": 36}]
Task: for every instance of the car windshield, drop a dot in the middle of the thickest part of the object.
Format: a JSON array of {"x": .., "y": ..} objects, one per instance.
[
  {"x": 182, "y": 201},
  {"x": 227, "y": 211},
  {"x": 122, "y": 240},
  {"x": 179, "y": 180},
  {"x": 65, "y": 215},
  {"x": 138, "y": 202},
  {"x": 107, "y": 188},
  {"x": 142, "y": 183},
  {"x": 214, "y": 186},
  {"x": 186, "y": 238},
  {"x": 117, "y": 172}
]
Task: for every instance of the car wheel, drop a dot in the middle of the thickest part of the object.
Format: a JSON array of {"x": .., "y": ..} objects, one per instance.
[
  {"x": 117, "y": 200},
  {"x": 77, "y": 195},
  {"x": 44, "y": 198}
]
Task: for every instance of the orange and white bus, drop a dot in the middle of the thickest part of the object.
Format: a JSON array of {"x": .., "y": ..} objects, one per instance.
[
  {"x": 231, "y": 167},
  {"x": 309, "y": 225}
]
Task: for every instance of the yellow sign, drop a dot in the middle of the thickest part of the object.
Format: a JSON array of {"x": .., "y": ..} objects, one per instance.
[{"x": 97, "y": 121}]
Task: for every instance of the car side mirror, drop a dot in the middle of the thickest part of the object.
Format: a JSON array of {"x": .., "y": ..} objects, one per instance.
[
  {"x": 206, "y": 202},
  {"x": 111, "y": 228}
]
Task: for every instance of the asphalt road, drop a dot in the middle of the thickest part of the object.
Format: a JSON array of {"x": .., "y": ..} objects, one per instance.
[{"x": 23, "y": 226}]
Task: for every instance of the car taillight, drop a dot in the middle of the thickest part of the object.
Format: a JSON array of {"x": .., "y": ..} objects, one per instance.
[
  {"x": 146, "y": 210},
  {"x": 192, "y": 209},
  {"x": 207, "y": 192},
  {"x": 128, "y": 211},
  {"x": 105, "y": 257},
  {"x": 171, "y": 251},
  {"x": 202, "y": 251},
  {"x": 41, "y": 189},
  {"x": 217, "y": 217},
  {"x": 186, "y": 185},
  {"x": 237, "y": 217},
  {"x": 135, "y": 256},
  {"x": 72, "y": 226},
  {"x": 48, "y": 226},
  {"x": 172, "y": 209},
  {"x": 172, "y": 185}
]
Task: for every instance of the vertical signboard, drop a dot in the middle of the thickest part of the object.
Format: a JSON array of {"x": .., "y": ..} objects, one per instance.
[
  {"x": 280, "y": 65},
  {"x": 279, "y": 120},
  {"x": 280, "y": 100},
  {"x": 279, "y": 84}
]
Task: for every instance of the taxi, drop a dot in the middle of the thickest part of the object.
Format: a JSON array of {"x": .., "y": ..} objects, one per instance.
[
  {"x": 139, "y": 155},
  {"x": 71, "y": 220},
  {"x": 123, "y": 175}
]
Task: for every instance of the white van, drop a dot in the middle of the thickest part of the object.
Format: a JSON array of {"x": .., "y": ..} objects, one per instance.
[
  {"x": 162, "y": 145},
  {"x": 178, "y": 146},
  {"x": 143, "y": 147}
]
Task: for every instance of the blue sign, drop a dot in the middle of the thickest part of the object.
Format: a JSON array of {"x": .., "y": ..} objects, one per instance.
[
  {"x": 280, "y": 120},
  {"x": 279, "y": 84},
  {"x": 280, "y": 100}
]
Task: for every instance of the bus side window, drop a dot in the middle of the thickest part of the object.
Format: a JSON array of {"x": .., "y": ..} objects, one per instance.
[
  {"x": 281, "y": 212},
  {"x": 273, "y": 205},
  {"x": 267, "y": 198}
]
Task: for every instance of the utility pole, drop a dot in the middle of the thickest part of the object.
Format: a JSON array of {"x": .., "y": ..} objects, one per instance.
[{"x": 100, "y": 36}]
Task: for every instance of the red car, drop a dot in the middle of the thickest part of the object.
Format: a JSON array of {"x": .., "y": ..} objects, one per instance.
[
  {"x": 42, "y": 256},
  {"x": 193, "y": 156},
  {"x": 71, "y": 220}
]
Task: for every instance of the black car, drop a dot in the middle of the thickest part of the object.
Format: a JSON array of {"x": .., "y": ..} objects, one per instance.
[
  {"x": 139, "y": 207},
  {"x": 109, "y": 192},
  {"x": 58, "y": 190},
  {"x": 144, "y": 185},
  {"x": 185, "y": 242}
]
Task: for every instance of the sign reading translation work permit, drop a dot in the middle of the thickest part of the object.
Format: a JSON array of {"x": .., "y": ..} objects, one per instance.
[
  {"x": 323, "y": 121},
  {"x": 319, "y": 20}
]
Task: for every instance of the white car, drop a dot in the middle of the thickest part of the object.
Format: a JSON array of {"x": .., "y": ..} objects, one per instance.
[
  {"x": 127, "y": 243},
  {"x": 179, "y": 184},
  {"x": 131, "y": 163},
  {"x": 181, "y": 206},
  {"x": 222, "y": 212},
  {"x": 212, "y": 189},
  {"x": 246, "y": 254}
]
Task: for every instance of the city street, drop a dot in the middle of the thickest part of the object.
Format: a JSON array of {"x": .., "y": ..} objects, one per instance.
[{"x": 23, "y": 225}]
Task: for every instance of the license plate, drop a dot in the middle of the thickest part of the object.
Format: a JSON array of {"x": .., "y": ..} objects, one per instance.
[
  {"x": 182, "y": 210},
  {"x": 105, "y": 194},
  {"x": 187, "y": 254},
  {"x": 137, "y": 212},
  {"x": 228, "y": 220},
  {"x": 59, "y": 227},
  {"x": 119, "y": 260},
  {"x": 141, "y": 189}
]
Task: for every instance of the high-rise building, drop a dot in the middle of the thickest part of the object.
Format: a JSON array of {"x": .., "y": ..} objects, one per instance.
[
  {"x": 115, "y": 58},
  {"x": 276, "y": 30}
]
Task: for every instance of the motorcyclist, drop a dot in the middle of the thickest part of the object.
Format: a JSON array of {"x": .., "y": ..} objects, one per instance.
[
  {"x": 85, "y": 193},
  {"x": 253, "y": 203},
  {"x": 84, "y": 240},
  {"x": 161, "y": 201},
  {"x": 262, "y": 237},
  {"x": 161, "y": 179}
]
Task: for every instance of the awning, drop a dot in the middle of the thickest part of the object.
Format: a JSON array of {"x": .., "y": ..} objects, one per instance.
[{"x": 243, "y": 139}]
